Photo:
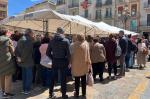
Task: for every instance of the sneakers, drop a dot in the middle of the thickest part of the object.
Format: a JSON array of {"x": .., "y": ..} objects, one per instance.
[
  {"x": 115, "y": 77},
  {"x": 52, "y": 96},
  {"x": 7, "y": 95}
]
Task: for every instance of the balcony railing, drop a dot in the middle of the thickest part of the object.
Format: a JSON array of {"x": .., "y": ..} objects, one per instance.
[
  {"x": 109, "y": 17},
  {"x": 146, "y": 5},
  {"x": 73, "y": 5}
]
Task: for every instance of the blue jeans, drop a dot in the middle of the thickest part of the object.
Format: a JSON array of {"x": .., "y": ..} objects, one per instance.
[
  {"x": 63, "y": 76},
  {"x": 127, "y": 59},
  {"x": 46, "y": 76},
  {"x": 27, "y": 77}
]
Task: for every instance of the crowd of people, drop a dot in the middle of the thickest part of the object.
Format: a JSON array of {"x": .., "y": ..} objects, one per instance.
[{"x": 47, "y": 59}]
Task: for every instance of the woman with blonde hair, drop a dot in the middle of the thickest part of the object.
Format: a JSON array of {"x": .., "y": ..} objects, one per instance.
[{"x": 80, "y": 62}]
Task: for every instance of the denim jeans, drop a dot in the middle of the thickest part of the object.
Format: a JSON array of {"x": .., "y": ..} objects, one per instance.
[
  {"x": 27, "y": 77},
  {"x": 63, "y": 76},
  {"x": 46, "y": 76},
  {"x": 127, "y": 60}
]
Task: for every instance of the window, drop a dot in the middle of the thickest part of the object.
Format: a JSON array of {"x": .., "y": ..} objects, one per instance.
[
  {"x": 98, "y": 3},
  {"x": 86, "y": 13},
  {"x": 3, "y": 14},
  {"x": 108, "y": 13},
  {"x": 3, "y": 5},
  {"x": 108, "y": 2},
  {"x": 133, "y": 10},
  {"x": 98, "y": 14},
  {"x": 133, "y": 25},
  {"x": 120, "y": 10},
  {"x": 59, "y": 2},
  {"x": 148, "y": 19}
]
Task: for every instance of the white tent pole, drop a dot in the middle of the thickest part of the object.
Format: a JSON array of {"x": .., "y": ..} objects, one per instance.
[
  {"x": 70, "y": 29},
  {"x": 85, "y": 31}
]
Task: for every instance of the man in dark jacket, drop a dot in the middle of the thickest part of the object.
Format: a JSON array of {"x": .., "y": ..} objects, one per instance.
[
  {"x": 24, "y": 53},
  {"x": 123, "y": 42},
  {"x": 128, "y": 55},
  {"x": 58, "y": 50}
]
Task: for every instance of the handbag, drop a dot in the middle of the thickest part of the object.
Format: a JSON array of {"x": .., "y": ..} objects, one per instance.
[
  {"x": 145, "y": 51},
  {"x": 46, "y": 61},
  {"x": 90, "y": 80}
]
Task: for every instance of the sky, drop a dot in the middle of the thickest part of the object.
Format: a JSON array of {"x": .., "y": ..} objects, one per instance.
[{"x": 17, "y": 6}]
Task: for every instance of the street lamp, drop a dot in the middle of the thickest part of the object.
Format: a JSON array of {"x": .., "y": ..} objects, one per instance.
[{"x": 124, "y": 16}]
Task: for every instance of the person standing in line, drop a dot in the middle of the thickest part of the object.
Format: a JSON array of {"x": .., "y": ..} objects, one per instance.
[
  {"x": 24, "y": 54},
  {"x": 7, "y": 66},
  {"x": 98, "y": 58},
  {"x": 124, "y": 47},
  {"x": 128, "y": 55},
  {"x": 141, "y": 54},
  {"x": 45, "y": 62},
  {"x": 59, "y": 51},
  {"x": 110, "y": 47},
  {"x": 80, "y": 63}
]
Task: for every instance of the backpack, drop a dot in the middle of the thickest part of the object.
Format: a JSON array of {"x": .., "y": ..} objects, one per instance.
[{"x": 118, "y": 51}]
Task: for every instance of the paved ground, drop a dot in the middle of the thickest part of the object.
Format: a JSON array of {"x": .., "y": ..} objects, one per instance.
[{"x": 135, "y": 85}]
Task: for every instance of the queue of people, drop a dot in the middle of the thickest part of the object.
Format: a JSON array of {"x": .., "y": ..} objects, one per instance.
[{"x": 41, "y": 59}]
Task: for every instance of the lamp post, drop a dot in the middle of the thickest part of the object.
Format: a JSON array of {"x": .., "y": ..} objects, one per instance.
[{"x": 124, "y": 16}]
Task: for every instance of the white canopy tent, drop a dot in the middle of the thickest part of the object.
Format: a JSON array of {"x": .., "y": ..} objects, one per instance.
[
  {"x": 113, "y": 29},
  {"x": 37, "y": 20}
]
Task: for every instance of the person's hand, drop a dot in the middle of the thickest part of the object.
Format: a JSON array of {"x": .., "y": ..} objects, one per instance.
[
  {"x": 90, "y": 68},
  {"x": 18, "y": 59}
]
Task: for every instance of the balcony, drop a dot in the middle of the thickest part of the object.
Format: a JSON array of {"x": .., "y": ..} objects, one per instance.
[
  {"x": 108, "y": 17},
  {"x": 108, "y": 2},
  {"x": 73, "y": 5},
  {"x": 146, "y": 6},
  {"x": 98, "y": 4}
]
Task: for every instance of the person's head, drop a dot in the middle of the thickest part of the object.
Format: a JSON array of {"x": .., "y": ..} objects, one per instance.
[
  {"x": 111, "y": 36},
  {"x": 121, "y": 33},
  {"x": 74, "y": 38},
  {"x": 60, "y": 30},
  {"x": 45, "y": 40},
  {"x": 3, "y": 32},
  {"x": 129, "y": 36},
  {"x": 89, "y": 38},
  {"x": 16, "y": 32},
  {"x": 96, "y": 40},
  {"x": 29, "y": 33},
  {"x": 139, "y": 40},
  {"x": 38, "y": 37},
  {"x": 80, "y": 38}
]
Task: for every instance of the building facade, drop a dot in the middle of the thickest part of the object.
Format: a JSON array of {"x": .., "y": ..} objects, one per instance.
[
  {"x": 109, "y": 11},
  {"x": 130, "y": 20},
  {"x": 3, "y": 9},
  {"x": 145, "y": 17}
]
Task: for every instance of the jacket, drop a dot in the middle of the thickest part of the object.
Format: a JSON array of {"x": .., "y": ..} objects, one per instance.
[
  {"x": 59, "y": 50},
  {"x": 24, "y": 51},
  {"x": 6, "y": 62},
  {"x": 110, "y": 47},
  {"x": 80, "y": 58},
  {"x": 123, "y": 42},
  {"x": 98, "y": 53}
]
